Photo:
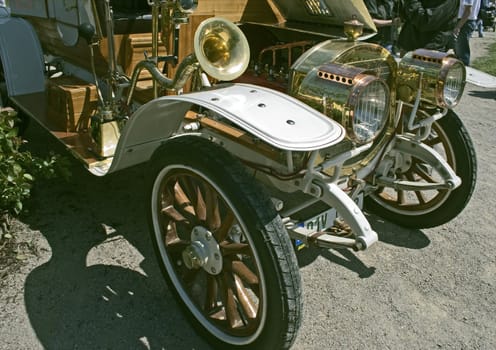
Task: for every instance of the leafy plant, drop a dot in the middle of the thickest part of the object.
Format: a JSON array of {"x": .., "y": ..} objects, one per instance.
[{"x": 18, "y": 169}]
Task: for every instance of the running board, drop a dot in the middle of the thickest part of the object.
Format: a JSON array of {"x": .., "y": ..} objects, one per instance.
[{"x": 78, "y": 143}]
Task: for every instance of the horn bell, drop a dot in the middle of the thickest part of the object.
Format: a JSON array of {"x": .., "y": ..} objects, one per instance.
[{"x": 221, "y": 48}]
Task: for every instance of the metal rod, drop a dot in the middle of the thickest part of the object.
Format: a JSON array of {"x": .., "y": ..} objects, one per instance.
[
  {"x": 111, "y": 46},
  {"x": 155, "y": 17},
  {"x": 184, "y": 71}
]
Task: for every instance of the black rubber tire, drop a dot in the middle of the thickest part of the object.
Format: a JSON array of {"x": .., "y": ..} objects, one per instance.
[
  {"x": 451, "y": 203},
  {"x": 193, "y": 160}
]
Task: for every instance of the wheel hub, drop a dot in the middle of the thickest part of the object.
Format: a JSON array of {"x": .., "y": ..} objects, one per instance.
[{"x": 203, "y": 252}]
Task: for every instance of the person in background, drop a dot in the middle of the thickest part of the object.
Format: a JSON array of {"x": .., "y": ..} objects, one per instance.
[
  {"x": 427, "y": 24},
  {"x": 480, "y": 21},
  {"x": 466, "y": 25},
  {"x": 4, "y": 10},
  {"x": 384, "y": 13}
]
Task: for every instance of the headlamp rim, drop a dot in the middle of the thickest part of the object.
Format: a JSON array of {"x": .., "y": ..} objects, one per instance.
[
  {"x": 362, "y": 81},
  {"x": 448, "y": 63}
]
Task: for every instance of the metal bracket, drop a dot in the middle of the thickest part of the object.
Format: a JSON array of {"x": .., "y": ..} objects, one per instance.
[
  {"x": 425, "y": 153},
  {"x": 348, "y": 210}
]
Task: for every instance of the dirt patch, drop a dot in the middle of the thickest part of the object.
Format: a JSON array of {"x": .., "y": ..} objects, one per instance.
[{"x": 14, "y": 251}]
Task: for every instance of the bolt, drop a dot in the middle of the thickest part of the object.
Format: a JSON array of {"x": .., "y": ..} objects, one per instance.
[
  {"x": 208, "y": 236},
  {"x": 213, "y": 270},
  {"x": 216, "y": 256}
]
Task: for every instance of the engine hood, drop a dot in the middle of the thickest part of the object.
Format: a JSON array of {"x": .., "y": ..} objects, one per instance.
[{"x": 324, "y": 12}]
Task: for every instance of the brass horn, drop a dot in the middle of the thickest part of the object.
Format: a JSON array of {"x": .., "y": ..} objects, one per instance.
[{"x": 221, "y": 49}]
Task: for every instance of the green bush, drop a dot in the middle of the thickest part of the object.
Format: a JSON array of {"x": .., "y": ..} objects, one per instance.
[{"x": 18, "y": 168}]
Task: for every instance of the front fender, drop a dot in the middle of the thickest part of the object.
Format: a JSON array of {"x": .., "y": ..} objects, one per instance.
[{"x": 271, "y": 116}]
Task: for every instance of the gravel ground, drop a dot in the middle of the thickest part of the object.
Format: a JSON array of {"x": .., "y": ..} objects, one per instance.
[{"x": 82, "y": 273}]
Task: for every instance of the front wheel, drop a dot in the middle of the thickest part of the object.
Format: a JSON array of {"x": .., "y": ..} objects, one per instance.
[
  {"x": 429, "y": 208},
  {"x": 222, "y": 247}
]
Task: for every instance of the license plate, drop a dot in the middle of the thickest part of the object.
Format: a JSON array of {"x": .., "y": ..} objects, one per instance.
[{"x": 326, "y": 219}]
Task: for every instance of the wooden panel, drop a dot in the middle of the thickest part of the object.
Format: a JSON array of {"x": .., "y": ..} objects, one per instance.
[
  {"x": 79, "y": 143},
  {"x": 133, "y": 51},
  {"x": 80, "y": 53},
  {"x": 71, "y": 103},
  {"x": 241, "y": 10}
]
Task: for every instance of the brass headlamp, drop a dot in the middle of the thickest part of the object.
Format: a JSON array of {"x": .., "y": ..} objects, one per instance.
[
  {"x": 440, "y": 77},
  {"x": 354, "y": 97}
]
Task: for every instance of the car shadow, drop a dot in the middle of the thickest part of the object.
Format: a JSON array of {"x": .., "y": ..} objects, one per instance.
[
  {"x": 485, "y": 94},
  {"x": 101, "y": 287},
  {"x": 342, "y": 257},
  {"x": 398, "y": 236}
]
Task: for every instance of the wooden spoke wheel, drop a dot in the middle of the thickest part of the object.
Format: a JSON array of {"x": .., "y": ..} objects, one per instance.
[
  {"x": 427, "y": 208},
  {"x": 220, "y": 244}
]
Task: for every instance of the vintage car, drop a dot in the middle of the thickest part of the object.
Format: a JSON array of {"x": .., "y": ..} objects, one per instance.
[{"x": 263, "y": 126}]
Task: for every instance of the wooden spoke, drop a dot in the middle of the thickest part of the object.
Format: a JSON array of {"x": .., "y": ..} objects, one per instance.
[
  {"x": 182, "y": 200},
  {"x": 227, "y": 295},
  {"x": 235, "y": 248},
  {"x": 420, "y": 197},
  {"x": 177, "y": 246},
  {"x": 171, "y": 236},
  {"x": 166, "y": 197},
  {"x": 418, "y": 194},
  {"x": 239, "y": 268},
  {"x": 192, "y": 189},
  {"x": 247, "y": 303},
  {"x": 201, "y": 208},
  {"x": 421, "y": 172},
  {"x": 211, "y": 295},
  {"x": 173, "y": 214},
  {"x": 219, "y": 314},
  {"x": 213, "y": 214},
  {"x": 223, "y": 231}
]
